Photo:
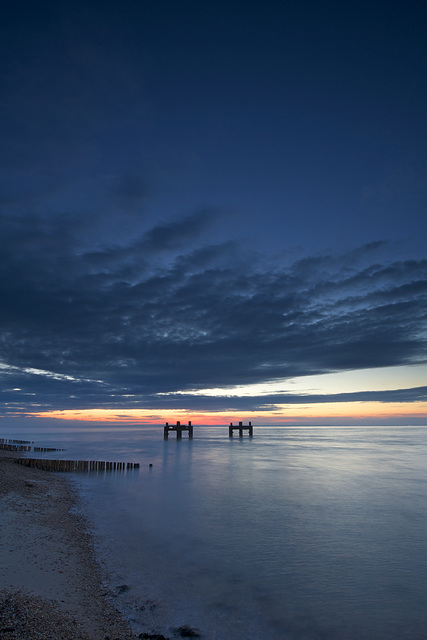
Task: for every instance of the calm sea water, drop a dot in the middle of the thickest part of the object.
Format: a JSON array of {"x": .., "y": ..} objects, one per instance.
[{"x": 296, "y": 533}]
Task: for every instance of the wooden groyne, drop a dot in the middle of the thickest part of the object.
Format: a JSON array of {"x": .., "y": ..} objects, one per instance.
[
  {"x": 240, "y": 428},
  {"x": 6, "y": 441},
  {"x": 76, "y": 465},
  {"x": 178, "y": 429},
  {"x": 24, "y": 447},
  {"x": 14, "y": 447}
]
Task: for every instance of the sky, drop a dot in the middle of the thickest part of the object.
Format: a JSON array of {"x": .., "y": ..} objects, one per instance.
[{"x": 213, "y": 211}]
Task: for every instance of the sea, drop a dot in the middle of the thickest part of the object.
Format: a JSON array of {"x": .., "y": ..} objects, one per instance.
[{"x": 298, "y": 533}]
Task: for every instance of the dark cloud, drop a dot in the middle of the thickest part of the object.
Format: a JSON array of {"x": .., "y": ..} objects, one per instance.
[
  {"x": 119, "y": 325},
  {"x": 130, "y": 191},
  {"x": 177, "y": 234}
]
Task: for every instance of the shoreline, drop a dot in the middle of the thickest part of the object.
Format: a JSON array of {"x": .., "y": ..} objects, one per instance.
[{"x": 51, "y": 586}]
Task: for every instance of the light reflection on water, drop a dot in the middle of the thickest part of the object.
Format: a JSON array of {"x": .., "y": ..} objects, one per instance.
[{"x": 301, "y": 533}]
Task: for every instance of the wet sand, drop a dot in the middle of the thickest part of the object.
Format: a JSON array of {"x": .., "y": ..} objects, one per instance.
[{"x": 51, "y": 587}]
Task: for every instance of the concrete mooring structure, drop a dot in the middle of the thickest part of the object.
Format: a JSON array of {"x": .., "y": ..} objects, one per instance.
[
  {"x": 240, "y": 428},
  {"x": 178, "y": 428}
]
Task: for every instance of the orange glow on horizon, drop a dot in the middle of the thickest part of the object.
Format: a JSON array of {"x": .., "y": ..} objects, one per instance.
[{"x": 285, "y": 414}]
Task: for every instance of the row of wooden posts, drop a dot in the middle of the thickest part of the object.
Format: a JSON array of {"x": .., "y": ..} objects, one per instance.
[
  {"x": 61, "y": 465},
  {"x": 25, "y": 447},
  {"x": 180, "y": 428},
  {"x": 76, "y": 465},
  {"x": 14, "y": 447}
]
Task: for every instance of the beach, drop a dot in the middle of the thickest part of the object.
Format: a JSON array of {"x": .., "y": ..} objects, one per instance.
[{"x": 51, "y": 586}]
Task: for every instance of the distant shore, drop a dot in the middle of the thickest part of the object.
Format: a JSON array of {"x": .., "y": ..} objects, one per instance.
[{"x": 51, "y": 587}]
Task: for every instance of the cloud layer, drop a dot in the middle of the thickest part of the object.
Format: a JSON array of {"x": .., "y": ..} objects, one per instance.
[{"x": 113, "y": 325}]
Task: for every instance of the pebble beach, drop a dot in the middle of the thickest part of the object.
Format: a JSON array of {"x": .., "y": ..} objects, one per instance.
[{"x": 51, "y": 587}]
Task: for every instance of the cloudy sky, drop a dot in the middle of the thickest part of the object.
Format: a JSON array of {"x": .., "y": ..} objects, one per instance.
[{"x": 213, "y": 211}]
